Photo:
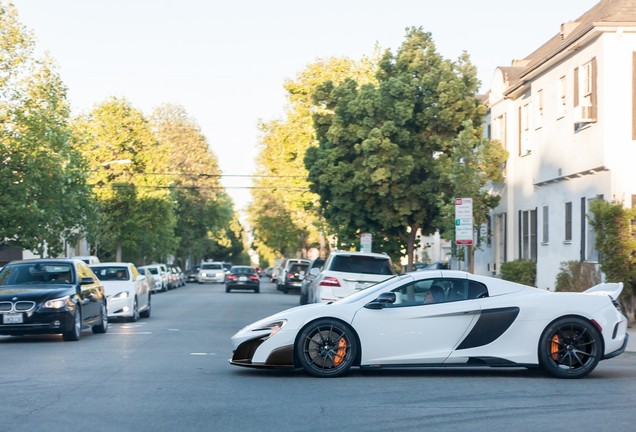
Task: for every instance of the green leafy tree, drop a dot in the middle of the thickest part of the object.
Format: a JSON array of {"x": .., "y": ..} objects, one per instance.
[
  {"x": 204, "y": 211},
  {"x": 43, "y": 199},
  {"x": 616, "y": 244},
  {"x": 134, "y": 205},
  {"x": 285, "y": 216},
  {"x": 392, "y": 156}
]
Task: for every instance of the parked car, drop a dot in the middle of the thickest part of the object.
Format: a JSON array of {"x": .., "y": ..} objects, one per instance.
[
  {"x": 127, "y": 291},
  {"x": 160, "y": 276},
  {"x": 347, "y": 272},
  {"x": 211, "y": 272},
  {"x": 242, "y": 277},
  {"x": 292, "y": 275},
  {"x": 285, "y": 268},
  {"x": 51, "y": 296},
  {"x": 479, "y": 321},
  {"x": 314, "y": 269},
  {"x": 191, "y": 275},
  {"x": 176, "y": 276}
]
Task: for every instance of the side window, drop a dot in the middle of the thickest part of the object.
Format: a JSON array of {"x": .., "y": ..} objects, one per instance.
[
  {"x": 477, "y": 290},
  {"x": 443, "y": 290}
]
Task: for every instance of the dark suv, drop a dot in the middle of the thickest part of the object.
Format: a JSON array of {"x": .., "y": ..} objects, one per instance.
[{"x": 291, "y": 276}]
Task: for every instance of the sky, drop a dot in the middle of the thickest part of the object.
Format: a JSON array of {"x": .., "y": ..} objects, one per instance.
[{"x": 226, "y": 61}]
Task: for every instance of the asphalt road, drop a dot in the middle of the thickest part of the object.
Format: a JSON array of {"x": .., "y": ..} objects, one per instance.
[{"x": 170, "y": 373}]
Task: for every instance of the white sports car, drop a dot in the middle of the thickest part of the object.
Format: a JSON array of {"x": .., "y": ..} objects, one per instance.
[{"x": 442, "y": 318}]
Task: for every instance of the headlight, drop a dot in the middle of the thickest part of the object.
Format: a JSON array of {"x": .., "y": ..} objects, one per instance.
[
  {"x": 273, "y": 328},
  {"x": 121, "y": 295},
  {"x": 56, "y": 303}
]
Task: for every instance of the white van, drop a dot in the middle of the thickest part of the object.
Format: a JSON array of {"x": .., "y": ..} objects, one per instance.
[{"x": 87, "y": 259}]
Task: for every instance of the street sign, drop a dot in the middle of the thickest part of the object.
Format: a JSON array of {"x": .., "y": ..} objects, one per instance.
[{"x": 464, "y": 221}]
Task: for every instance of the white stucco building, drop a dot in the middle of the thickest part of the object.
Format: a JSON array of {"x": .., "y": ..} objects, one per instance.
[{"x": 567, "y": 116}]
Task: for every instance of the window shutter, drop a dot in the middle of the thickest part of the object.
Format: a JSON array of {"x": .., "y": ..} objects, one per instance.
[
  {"x": 593, "y": 96},
  {"x": 575, "y": 102}
]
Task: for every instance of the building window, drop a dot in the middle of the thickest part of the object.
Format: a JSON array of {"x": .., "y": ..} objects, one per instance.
[
  {"x": 528, "y": 235},
  {"x": 562, "y": 92},
  {"x": 591, "y": 253},
  {"x": 539, "y": 105},
  {"x": 546, "y": 237},
  {"x": 524, "y": 130},
  {"x": 568, "y": 222}
]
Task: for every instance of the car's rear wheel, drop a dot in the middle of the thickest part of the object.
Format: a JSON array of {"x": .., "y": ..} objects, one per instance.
[
  {"x": 74, "y": 333},
  {"x": 570, "y": 347},
  {"x": 102, "y": 327},
  {"x": 326, "y": 348}
]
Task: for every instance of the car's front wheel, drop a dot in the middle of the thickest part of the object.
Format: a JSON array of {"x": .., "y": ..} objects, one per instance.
[
  {"x": 570, "y": 347},
  {"x": 102, "y": 327},
  {"x": 74, "y": 333},
  {"x": 326, "y": 348},
  {"x": 146, "y": 312}
]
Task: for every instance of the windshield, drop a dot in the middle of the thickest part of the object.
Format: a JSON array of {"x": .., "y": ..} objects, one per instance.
[
  {"x": 361, "y": 264},
  {"x": 37, "y": 273},
  {"x": 111, "y": 273},
  {"x": 373, "y": 291},
  {"x": 211, "y": 267}
]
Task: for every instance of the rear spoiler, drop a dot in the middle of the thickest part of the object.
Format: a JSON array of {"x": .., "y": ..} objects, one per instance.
[{"x": 613, "y": 289}]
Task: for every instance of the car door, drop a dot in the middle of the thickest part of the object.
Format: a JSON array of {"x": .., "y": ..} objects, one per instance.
[
  {"x": 141, "y": 287},
  {"x": 409, "y": 331}
]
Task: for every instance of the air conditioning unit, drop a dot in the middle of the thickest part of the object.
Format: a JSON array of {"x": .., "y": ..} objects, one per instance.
[{"x": 584, "y": 114}]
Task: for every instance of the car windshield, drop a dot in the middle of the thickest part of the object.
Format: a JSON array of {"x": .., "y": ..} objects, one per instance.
[
  {"x": 152, "y": 270},
  {"x": 372, "y": 292},
  {"x": 110, "y": 273},
  {"x": 211, "y": 267},
  {"x": 361, "y": 264},
  {"x": 297, "y": 268},
  {"x": 37, "y": 273}
]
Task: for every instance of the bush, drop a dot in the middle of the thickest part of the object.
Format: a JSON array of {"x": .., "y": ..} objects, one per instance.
[
  {"x": 576, "y": 276},
  {"x": 520, "y": 271}
]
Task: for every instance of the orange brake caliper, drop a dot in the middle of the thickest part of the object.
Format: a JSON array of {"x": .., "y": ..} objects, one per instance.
[
  {"x": 554, "y": 348},
  {"x": 340, "y": 354}
]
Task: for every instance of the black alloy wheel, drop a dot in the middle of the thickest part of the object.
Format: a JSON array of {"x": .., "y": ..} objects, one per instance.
[
  {"x": 75, "y": 333},
  {"x": 570, "y": 347},
  {"x": 326, "y": 348}
]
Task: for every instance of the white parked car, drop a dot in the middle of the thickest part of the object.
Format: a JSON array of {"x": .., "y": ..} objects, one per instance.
[
  {"x": 159, "y": 274},
  {"x": 347, "y": 272},
  {"x": 127, "y": 291},
  {"x": 211, "y": 272},
  {"x": 442, "y": 318}
]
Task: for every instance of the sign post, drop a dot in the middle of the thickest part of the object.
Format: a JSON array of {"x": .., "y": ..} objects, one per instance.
[
  {"x": 464, "y": 225},
  {"x": 366, "y": 239}
]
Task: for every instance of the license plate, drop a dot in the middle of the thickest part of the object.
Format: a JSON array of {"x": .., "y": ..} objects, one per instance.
[
  {"x": 12, "y": 319},
  {"x": 242, "y": 278}
]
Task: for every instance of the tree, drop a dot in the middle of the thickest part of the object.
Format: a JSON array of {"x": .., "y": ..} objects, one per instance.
[
  {"x": 204, "y": 212},
  {"x": 135, "y": 214},
  {"x": 285, "y": 215},
  {"x": 44, "y": 195},
  {"x": 392, "y": 156},
  {"x": 616, "y": 244}
]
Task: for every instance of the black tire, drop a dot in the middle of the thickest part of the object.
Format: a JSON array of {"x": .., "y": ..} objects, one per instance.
[
  {"x": 146, "y": 312},
  {"x": 570, "y": 347},
  {"x": 257, "y": 290},
  {"x": 227, "y": 290},
  {"x": 102, "y": 327},
  {"x": 75, "y": 333},
  {"x": 135, "y": 312},
  {"x": 326, "y": 348}
]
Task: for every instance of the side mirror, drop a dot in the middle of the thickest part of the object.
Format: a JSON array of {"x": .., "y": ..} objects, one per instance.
[
  {"x": 87, "y": 281},
  {"x": 382, "y": 300}
]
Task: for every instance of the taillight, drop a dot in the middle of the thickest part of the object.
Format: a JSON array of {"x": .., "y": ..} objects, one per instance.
[
  {"x": 330, "y": 281},
  {"x": 231, "y": 277},
  {"x": 253, "y": 277},
  {"x": 290, "y": 275}
]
